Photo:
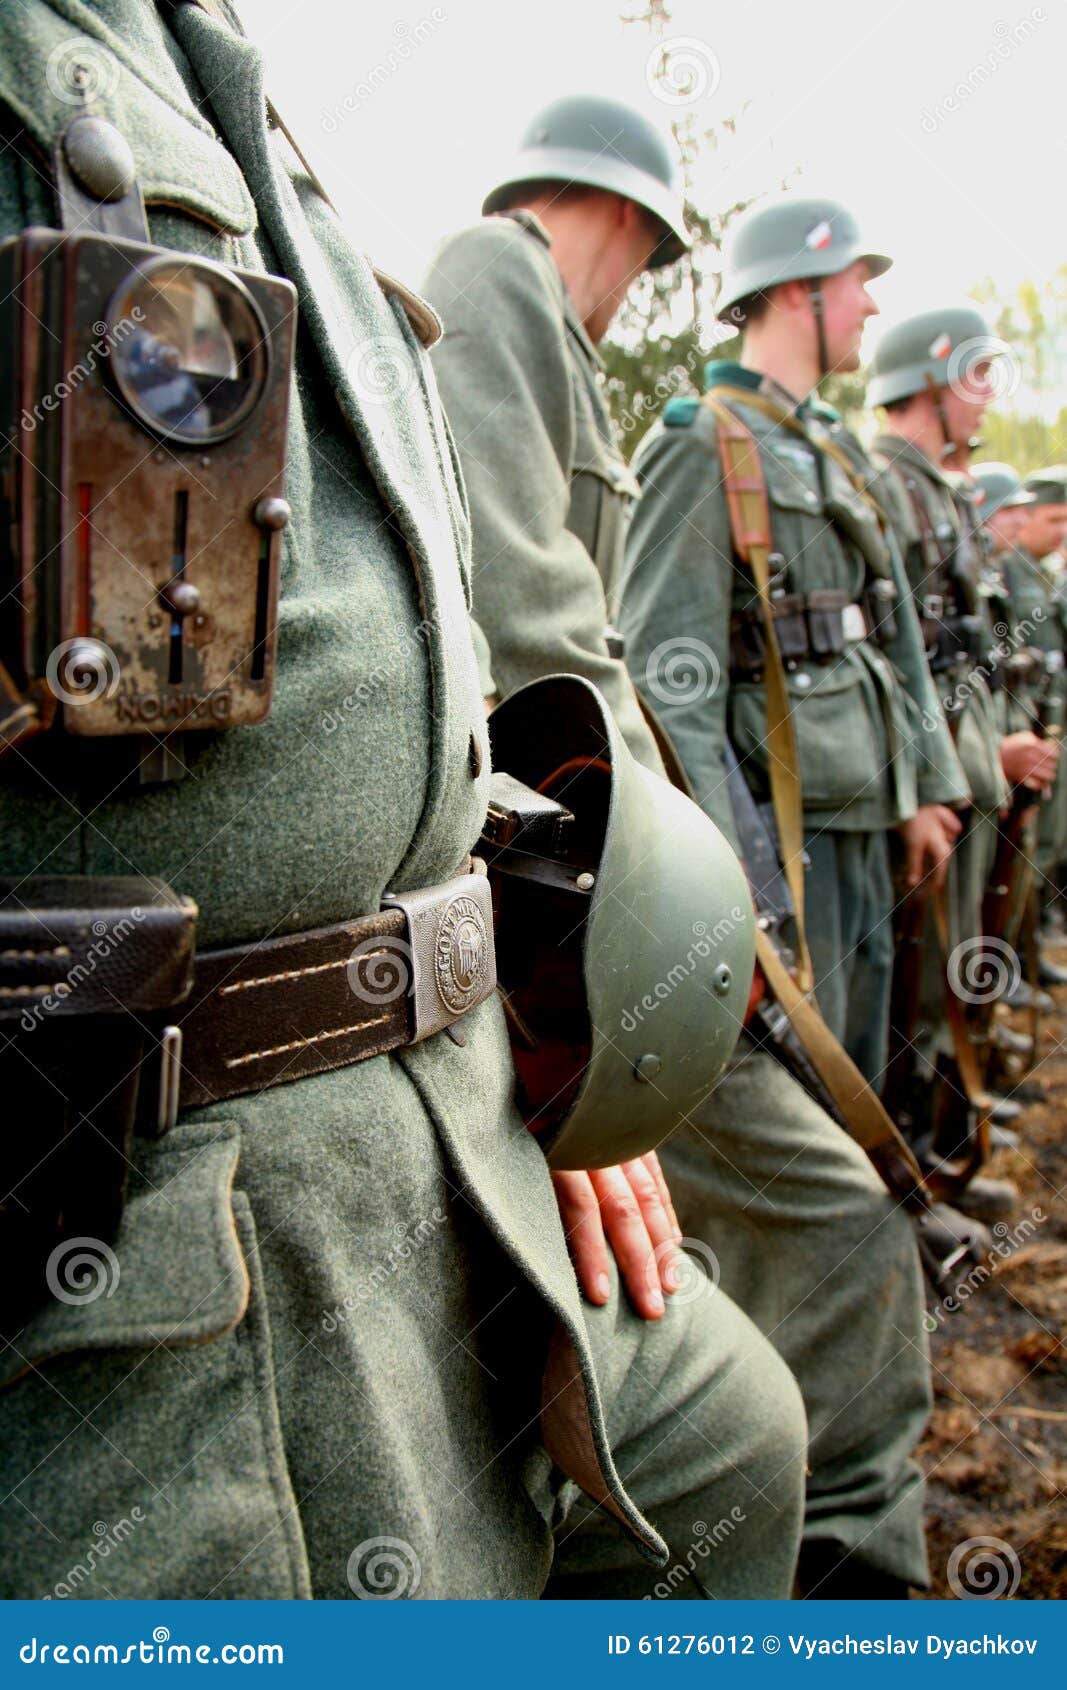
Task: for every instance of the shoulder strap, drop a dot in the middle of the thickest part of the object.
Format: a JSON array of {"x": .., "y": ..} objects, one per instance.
[
  {"x": 933, "y": 557},
  {"x": 819, "y": 443},
  {"x": 750, "y": 525}
]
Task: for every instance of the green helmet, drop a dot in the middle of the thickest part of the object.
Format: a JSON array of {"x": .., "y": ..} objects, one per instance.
[
  {"x": 1048, "y": 486},
  {"x": 1000, "y": 488},
  {"x": 604, "y": 145},
  {"x": 937, "y": 348},
  {"x": 625, "y": 936},
  {"x": 790, "y": 239}
]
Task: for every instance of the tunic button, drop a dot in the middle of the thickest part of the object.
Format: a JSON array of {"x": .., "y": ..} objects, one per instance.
[
  {"x": 99, "y": 157},
  {"x": 801, "y": 680}
]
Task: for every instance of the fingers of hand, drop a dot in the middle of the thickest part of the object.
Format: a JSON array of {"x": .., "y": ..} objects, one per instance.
[
  {"x": 652, "y": 1163},
  {"x": 952, "y": 823},
  {"x": 628, "y": 1234},
  {"x": 579, "y": 1210},
  {"x": 657, "y": 1216}
]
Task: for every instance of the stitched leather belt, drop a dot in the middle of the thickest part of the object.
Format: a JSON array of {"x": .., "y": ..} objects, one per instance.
[
  {"x": 110, "y": 1020},
  {"x": 265, "y": 1014}
]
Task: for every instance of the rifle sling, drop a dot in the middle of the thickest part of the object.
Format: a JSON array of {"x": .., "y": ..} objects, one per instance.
[
  {"x": 955, "y": 1173},
  {"x": 860, "y": 1108},
  {"x": 750, "y": 524}
]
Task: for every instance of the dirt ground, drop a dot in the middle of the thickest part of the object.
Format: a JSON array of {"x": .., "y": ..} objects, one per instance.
[{"x": 996, "y": 1449}]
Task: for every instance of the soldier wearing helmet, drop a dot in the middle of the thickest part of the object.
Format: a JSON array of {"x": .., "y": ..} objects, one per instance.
[
  {"x": 1001, "y": 500},
  {"x": 795, "y": 278},
  {"x": 339, "y": 1302},
  {"x": 934, "y": 375},
  {"x": 524, "y": 297},
  {"x": 1035, "y": 585}
]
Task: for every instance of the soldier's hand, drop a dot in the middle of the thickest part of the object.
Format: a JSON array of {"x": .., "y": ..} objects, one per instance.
[
  {"x": 1029, "y": 761},
  {"x": 928, "y": 840},
  {"x": 628, "y": 1211}
]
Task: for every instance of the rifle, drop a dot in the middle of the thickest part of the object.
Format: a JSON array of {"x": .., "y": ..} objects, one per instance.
[
  {"x": 1010, "y": 889},
  {"x": 789, "y": 1025}
]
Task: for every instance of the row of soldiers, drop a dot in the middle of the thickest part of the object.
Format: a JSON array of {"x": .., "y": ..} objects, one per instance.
[
  {"x": 382, "y": 1291},
  {"x": 820, "y": 644}
]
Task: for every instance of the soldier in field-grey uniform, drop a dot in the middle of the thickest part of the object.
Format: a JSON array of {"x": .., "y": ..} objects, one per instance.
[
  {"x": 334, "y": 1344},
  {"x": 805, "y": 1236}
]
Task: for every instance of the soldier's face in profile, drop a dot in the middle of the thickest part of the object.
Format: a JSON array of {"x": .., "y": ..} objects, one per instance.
[
  {"x": 1043, "y": 528},
  {"x": 1006, "y": 525},
  {"x": 965, "y": 403},
  {"x": 846, "y": 307}
]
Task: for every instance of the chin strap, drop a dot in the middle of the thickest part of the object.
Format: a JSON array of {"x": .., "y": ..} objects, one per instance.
[
  {"x": 818, "y": 311},
  {"x": 937, "y": 394}
]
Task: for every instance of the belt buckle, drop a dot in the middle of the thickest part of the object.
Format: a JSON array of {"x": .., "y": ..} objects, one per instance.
[
  {"x": 451, "y": 951},
  {"x": 853, "y": 623}
]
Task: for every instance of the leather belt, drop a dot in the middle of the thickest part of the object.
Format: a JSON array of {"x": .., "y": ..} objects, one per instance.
[
  {"x": 110, "y": 1020},
  {"x": 262, "y": 1015}
]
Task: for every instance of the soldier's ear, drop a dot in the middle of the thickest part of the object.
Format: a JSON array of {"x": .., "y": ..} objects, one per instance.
[{"x": 637, "y": 224}]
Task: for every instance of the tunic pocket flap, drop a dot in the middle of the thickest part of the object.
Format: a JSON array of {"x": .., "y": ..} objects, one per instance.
[{"x": 174, "y": 1273}]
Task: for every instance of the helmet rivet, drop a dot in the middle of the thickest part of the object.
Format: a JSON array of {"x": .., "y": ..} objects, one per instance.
[
  {"x": 647, "y": 1067},
  {"x": 722, "y": 979},
  {"x": 585, "y": 882}
]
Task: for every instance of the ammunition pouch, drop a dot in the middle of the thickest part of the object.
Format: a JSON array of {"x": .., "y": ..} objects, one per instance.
[
  {"x": 811, "y": 628},
  {"x": 880, "y": 604}
]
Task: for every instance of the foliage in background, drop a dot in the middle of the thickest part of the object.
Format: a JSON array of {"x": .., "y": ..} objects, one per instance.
[
  {"x": 1033, "y": 321},
  {"x": 667, "y": 330}
]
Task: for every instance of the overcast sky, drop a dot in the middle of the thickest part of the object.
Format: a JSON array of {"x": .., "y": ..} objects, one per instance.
[{"x": 941, "y": 122}]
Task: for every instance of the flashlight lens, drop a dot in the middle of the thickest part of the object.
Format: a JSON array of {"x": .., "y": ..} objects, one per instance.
[{"x": 188, "y": 350}]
